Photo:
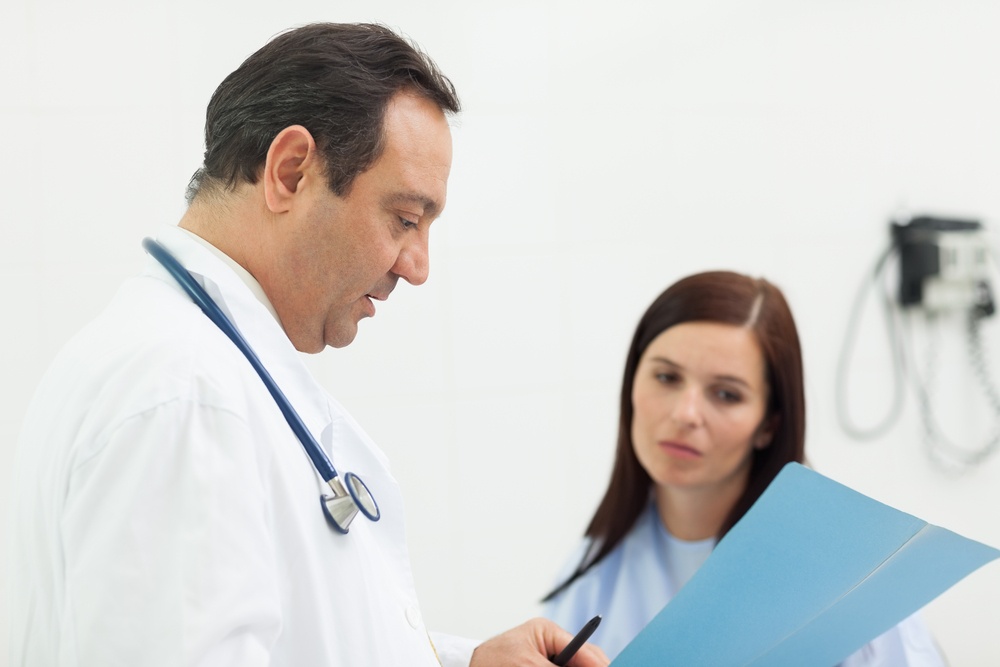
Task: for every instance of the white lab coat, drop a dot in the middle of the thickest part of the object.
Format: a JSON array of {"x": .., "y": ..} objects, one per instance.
[
  {"x": 634, "y": 582},
  {"x": 165, "y": 514}
]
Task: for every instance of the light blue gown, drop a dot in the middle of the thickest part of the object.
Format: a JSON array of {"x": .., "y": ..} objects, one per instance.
[{"x": 630, "y": 586}]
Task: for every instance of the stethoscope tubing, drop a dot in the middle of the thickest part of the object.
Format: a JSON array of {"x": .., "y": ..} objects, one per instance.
[{"x": 197, "y": 293}]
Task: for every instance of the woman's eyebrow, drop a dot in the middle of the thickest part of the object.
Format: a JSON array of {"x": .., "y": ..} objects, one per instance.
[
  {"x": 725, "y": 378},
  {"x": 734, "y": 379}
]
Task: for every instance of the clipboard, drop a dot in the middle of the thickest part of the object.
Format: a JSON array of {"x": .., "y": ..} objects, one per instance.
[{"x": 810, "y": 574}]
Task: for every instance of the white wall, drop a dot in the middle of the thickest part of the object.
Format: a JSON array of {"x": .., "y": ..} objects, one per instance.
[{"x": 606, "y": 150}]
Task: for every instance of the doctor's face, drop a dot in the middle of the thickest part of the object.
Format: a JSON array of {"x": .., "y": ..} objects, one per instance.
[
  {"x": 350, "y": 251},
  {"x": 699, "y": 398}
]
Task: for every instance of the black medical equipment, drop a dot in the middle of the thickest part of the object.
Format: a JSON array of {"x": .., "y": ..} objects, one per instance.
[{"x": 944, "y": 271}]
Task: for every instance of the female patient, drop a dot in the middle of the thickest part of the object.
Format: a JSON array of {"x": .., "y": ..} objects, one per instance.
[{"x": 712, "y": 407}]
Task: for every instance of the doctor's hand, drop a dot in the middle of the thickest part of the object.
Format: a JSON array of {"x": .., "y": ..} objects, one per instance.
[{"x": 530, "y": 645}]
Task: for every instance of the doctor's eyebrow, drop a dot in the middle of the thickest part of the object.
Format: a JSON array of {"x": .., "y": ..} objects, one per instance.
[{"x": 428, "y": 205}]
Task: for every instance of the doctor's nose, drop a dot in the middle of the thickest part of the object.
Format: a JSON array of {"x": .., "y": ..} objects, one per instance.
[{"x": 413, "y": 262}]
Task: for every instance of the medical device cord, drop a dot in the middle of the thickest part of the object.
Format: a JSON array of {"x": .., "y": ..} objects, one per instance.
[
  {"x": 214, "y": 313},
  {"x": 941, "y": 450},
  {"x": 872, "y": 280}
]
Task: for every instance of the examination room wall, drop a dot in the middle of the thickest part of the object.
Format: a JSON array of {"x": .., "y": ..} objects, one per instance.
[{"x": 605, "y": 150}]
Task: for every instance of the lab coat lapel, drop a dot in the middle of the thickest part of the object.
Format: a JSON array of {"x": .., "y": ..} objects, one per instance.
[{"x": 257, "y": 326}]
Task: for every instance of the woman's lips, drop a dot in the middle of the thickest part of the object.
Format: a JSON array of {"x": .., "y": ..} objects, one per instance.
[{"x": 679, "y": 450}]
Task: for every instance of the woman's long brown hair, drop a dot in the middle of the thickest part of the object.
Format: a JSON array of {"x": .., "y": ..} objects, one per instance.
[{"x": 727, "y": 298}]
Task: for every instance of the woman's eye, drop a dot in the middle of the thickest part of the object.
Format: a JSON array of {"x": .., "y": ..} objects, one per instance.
[
  {"x": 728, "y": 396},
  {"x": 667, "y": 378}
]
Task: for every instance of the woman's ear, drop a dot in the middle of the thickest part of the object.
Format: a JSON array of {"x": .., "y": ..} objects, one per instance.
[{"x": 765, "y": 432}]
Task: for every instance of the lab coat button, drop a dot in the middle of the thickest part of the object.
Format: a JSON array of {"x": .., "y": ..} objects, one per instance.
[{"x": 413, "y": 617}]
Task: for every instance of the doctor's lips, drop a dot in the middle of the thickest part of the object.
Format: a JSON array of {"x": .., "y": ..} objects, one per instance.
[
  {"x": 371, "y": 298},
  {"x": 679, "y": 449}
]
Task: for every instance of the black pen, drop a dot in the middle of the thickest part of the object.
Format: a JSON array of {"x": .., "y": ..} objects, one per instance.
[{"x": 574, "y": 644}]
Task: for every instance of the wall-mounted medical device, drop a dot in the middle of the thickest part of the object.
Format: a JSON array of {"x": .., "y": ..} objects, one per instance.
[
  {"x": 945, "y": 270},
  {"x": 944, "y": 264}
]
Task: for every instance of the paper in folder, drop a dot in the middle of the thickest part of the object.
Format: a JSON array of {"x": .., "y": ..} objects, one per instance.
[{"x": 812, "y": 572}]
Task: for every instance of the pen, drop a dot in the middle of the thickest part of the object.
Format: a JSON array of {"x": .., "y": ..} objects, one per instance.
[{"x": 579, "y": 640}]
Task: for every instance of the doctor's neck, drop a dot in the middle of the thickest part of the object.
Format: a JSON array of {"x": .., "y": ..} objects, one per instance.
[{"x": 234, "y": 221}]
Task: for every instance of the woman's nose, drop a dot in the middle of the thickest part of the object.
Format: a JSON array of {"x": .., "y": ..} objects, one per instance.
[{"x": 688, "y": 410}]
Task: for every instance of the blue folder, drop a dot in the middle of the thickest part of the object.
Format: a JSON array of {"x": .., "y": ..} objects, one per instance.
[{"x": 813, "y": 572}]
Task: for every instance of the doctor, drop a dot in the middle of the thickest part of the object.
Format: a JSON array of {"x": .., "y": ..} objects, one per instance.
[{"x": 165, "y": 513}]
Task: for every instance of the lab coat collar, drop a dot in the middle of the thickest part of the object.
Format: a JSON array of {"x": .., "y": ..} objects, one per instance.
[
  {"x": 244, "y": 275},
  {"x": 254, "y": 321}
]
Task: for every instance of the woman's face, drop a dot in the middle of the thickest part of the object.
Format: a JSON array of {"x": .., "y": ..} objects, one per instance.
[{"x": 699, "y": 399}]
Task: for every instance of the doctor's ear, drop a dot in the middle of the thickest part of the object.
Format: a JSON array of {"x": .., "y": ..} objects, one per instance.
[{"x": 292, "y": 160}]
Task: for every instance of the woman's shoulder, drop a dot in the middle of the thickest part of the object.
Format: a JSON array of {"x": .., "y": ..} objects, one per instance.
[
  {"x": 598, "y": 583},
  {"x": 574, "y": 605},
  {"x": 627, "y": 587}
]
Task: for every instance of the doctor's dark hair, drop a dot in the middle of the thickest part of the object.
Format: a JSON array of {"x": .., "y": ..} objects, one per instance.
[
  {"x": 336, "y": 80},
  {"x": 728, "y": 298}
]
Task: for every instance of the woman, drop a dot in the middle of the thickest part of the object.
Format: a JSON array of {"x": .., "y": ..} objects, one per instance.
[{"x": 712, "y": 407}]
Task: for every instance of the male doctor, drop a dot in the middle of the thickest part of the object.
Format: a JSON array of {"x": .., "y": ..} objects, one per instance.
[{"x": 164, "y": 511}]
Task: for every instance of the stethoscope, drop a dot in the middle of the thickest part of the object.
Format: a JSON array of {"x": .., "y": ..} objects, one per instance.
[{"x": 349, "y": 494}]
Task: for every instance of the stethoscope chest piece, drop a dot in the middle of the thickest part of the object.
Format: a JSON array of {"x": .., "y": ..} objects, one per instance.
[{"x": 343, "y": 505}]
